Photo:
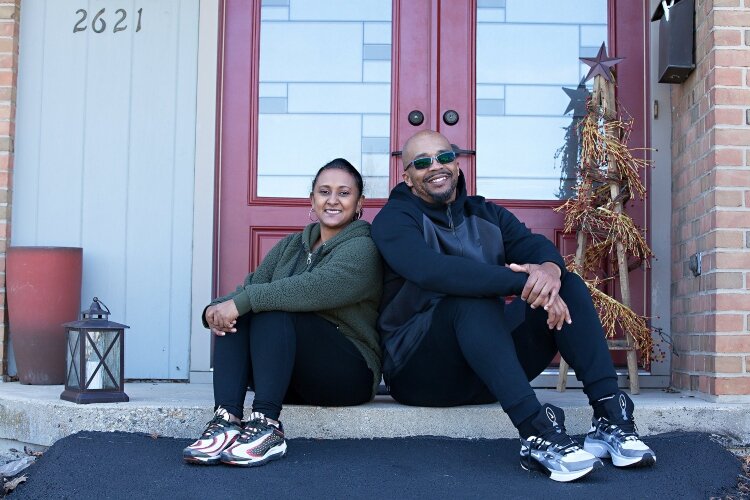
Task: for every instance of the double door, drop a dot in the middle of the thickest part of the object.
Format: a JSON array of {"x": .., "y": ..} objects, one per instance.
[{"x": 305, "y": 81}]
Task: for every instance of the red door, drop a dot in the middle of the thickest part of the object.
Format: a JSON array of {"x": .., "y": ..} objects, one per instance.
[{"x": 298, "y": 77}]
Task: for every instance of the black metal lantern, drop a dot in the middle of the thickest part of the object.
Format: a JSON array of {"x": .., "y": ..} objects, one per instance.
[
  {"x": 95, "y": 358},
  {"x": 676, "y": 39}
]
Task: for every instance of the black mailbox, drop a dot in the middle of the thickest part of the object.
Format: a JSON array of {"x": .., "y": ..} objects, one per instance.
[{"x": 676, "y": 39}]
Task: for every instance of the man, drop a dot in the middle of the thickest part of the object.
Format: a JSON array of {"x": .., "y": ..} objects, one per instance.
[{"x": 448, "y": 337}]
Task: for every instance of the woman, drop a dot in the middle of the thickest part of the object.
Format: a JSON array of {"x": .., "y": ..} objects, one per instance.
[{"x": 302, "y": 324}]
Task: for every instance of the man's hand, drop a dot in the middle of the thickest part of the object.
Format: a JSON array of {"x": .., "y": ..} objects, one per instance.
[
  {"x": 557, "y": 314},
  {"x": 222, "y": 318},
  {"x": 542, "y": 285}
]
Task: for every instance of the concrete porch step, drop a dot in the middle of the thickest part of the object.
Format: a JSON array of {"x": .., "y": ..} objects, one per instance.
[{"x": 36, "y": 415}]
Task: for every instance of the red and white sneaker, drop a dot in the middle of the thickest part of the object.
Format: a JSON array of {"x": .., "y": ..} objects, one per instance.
[
  {"x": 220, "y": 433},
  {"x": 260, "y": 442}
]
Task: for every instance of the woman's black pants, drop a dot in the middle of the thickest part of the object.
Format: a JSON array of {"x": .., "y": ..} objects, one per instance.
[{"x": 296, "y": 358}]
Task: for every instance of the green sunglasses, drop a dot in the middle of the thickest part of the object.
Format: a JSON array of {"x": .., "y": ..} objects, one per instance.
[{"x": 426, "y": 161}]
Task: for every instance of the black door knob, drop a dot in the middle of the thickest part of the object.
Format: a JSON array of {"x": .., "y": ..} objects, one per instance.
[
  {"x": 416, "y": 117},
  {"x": 450, "y": 117}
]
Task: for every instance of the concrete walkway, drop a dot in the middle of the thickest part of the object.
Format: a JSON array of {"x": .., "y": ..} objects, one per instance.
[{"x": 36, "y": 415}]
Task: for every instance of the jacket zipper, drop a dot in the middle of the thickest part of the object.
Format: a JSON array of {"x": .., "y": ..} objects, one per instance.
[{"x": 453, "y": 228}]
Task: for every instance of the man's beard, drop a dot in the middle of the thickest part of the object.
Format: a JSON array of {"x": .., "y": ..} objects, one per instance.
[{"x": 442, "y": 197}]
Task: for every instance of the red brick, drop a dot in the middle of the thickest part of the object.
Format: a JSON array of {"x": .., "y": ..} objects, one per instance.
[
  {"x": 732, "y": 137},
  {"x": 726, "y": 37},
  {"x": 724, "y": 323},
  {"x": 725, "y": 364},
  {"x": 747, "y": 199},
  {"x": 730, "y": 57},
  {"x": 727, "y": 116},
  {"x": 728, "y": 77},
  {"x": 726, "y": 3},
  {"x": 731, "y": 18},
  {"x": 731, "y": 260},
  {"x": 731, "y": 343},
  {"x": 7, "y": 77},
  {"x": 719, "y": 95},
  {"x": 724, "y": 238},
  {"x": 732, "y": 386},
  {"x": 727, "y": 157},
  {"x": 723, "y": 198},
  {"x": 8, "y": 28},
  {"x": 737, "y": 219}
]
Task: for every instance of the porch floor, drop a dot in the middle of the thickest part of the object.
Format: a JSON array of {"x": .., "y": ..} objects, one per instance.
[{"x": 36, "y": 415}]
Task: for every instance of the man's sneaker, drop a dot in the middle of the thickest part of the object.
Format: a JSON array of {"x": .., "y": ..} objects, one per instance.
[
  {"x": 260, "y": 442},
  {"x": 615, "y": 435},
  {"x": 552, "y": 451},
  {"x": 219, "y": 434}
]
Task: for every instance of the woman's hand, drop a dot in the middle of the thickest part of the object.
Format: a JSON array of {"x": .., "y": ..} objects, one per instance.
[{"x": 222, "y": 318}]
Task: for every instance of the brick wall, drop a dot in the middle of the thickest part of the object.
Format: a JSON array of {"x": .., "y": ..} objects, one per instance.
[
  {"x": 711, "y": 207},
  {"x": 9, "y": 19}
]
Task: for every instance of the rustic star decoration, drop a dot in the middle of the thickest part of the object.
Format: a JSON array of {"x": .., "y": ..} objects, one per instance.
[
  {"x": 601, "y": 64},
  {"x": 578, "y": 98}
]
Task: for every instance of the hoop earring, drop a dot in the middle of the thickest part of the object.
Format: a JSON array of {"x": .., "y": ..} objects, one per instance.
[{"x": 310, "y": 215}]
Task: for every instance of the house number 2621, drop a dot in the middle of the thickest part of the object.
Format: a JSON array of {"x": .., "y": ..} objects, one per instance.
[{"x": 99, "y": 24}]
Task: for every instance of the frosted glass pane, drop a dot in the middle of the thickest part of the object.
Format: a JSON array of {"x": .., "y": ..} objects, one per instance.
[
  {"x": 339, "y": 98},
  {"x": 509, "y": 53},
  {"x": 535, "y": 100},
  {"x": 341, "y": 10},
  {"x": 556, "y": 11},
  {"x": 376, "y": 71},
  {"x": 310, "y": 52},
  {"x": 376, "y": 125},
  {"x": 593, "y": 36},
  {"x": 519, "y": 148},
  {"x": 523, "y": 61},
  {"x": 487, "y": 15},
  {"x": 274, "y": 13},
  {"x": 325, "y": 87},
  {"x": 490, "y": 91},
  {"x": 378, "y": 32}
]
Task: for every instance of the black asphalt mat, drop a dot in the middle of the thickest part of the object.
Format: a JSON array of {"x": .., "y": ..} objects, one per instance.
[{"x": 121, "y": 465}]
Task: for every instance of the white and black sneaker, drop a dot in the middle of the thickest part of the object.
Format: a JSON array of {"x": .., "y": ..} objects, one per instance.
[
  {"x": 615, "y": 435},
  {"x": 260, "y": 442},
  {"x": 552, "y": 451},
  {"x": 219, "y": 434}
]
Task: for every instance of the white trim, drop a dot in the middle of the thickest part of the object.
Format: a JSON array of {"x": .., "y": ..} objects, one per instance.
[
  {"x": 203, "y": 205},
  {"x": 660, "y": 198}
]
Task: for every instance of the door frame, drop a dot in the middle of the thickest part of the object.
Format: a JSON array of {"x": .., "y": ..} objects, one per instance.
[{"x": 238, "y": 38}]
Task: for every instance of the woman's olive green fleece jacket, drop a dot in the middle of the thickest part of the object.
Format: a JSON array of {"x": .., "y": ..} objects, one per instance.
[{"x": 341, "y": 281}]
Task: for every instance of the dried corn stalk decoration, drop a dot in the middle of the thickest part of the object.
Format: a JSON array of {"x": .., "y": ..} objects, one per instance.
[{"x": 608, "y": 176}]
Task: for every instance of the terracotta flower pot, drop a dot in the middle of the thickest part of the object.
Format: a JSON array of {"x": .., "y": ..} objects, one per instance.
[{"x": 44, "y": 291}]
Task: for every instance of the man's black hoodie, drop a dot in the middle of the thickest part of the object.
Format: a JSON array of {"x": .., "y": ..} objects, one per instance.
[{"x": 437, "y": 250}]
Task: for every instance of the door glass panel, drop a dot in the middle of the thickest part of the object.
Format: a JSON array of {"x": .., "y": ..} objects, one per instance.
[
  {"x": 527, "y": 51},
  {"x": 325, "y": 92}
]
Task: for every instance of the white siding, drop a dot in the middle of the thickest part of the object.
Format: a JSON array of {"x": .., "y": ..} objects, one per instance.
[{"x": 105, "y": 153}]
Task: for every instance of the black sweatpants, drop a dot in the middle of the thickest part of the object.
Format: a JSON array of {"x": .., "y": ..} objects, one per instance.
[
  {"x": 475, "y": 352},
  {"x": 296, "y": 358}
]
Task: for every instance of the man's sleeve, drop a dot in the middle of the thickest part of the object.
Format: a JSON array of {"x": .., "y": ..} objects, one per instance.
[
  {"x": 401, "y": 243},
  {"x": 524, "y": 247}
]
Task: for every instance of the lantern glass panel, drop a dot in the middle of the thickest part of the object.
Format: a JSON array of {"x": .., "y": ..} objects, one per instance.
[
  {"x": 73, "y": 359},
  {"x": 96, "y": 346},
  {"x": 112, "y": 361}
]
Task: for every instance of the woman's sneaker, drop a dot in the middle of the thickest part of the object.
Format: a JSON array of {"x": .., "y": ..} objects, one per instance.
[
  {"x": 260, "y": 442},
  {"x": 615, "y": 435},
  {"x": 219, "y": 434},
  {"x": 552, "y": 451}
]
